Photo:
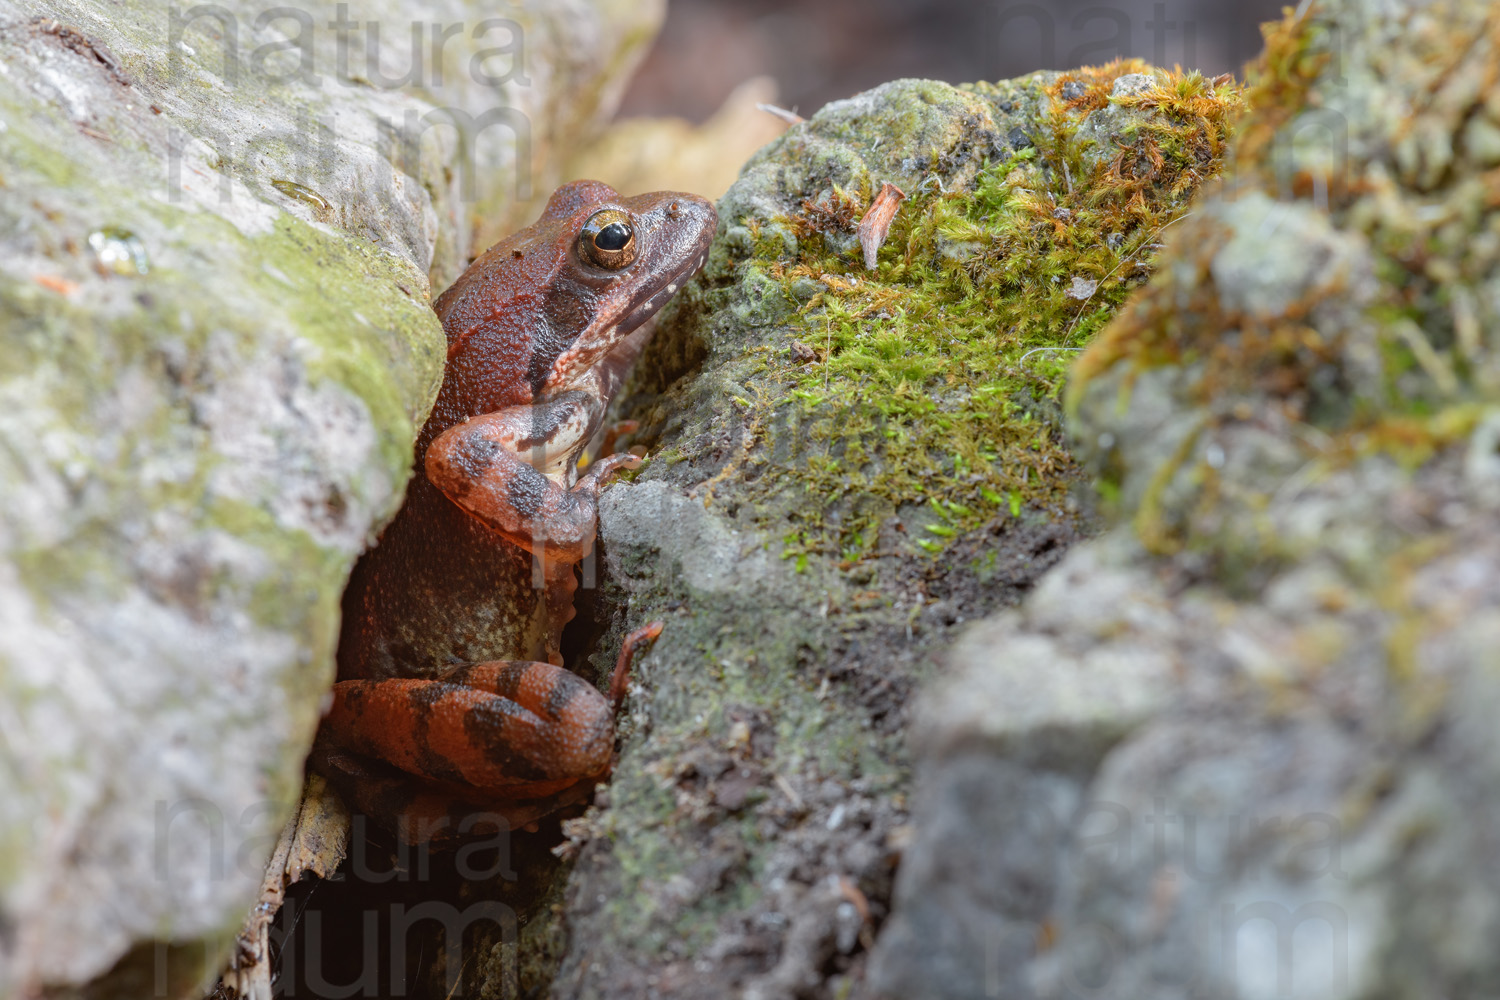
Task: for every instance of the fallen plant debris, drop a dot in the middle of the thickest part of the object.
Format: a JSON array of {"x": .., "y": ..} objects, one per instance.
[{"x": 876, "y": 224}]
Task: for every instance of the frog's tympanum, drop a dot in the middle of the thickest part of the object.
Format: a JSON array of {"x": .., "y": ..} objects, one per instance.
[{"x": 451, "y": 700}]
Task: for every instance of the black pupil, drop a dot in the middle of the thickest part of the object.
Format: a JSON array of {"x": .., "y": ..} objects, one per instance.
[{"x": 613, "y": 236}]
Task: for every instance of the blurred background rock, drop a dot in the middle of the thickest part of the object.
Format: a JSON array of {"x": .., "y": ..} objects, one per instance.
[{"x": 689, "y": 118}]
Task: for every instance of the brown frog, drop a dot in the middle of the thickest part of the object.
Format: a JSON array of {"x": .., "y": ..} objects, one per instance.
[{"x": 451, "y": 701}]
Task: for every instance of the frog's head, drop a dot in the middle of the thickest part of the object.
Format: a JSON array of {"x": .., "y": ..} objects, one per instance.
[
  {"x": 630, "y": 255},
  {"x": 539, "y": 310}
]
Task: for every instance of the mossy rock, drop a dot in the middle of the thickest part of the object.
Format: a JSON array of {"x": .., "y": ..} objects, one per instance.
[
  {"x": 845, "y": 465},
  {"x": 1342, "y": 280},
  {"x": 1262, "y": 702},
  {"x": 215, "y": 252},
  {"x": 1034, "y": 207}
]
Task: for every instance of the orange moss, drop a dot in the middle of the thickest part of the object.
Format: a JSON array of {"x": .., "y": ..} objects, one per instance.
[{"x": 1095, "y": 82}]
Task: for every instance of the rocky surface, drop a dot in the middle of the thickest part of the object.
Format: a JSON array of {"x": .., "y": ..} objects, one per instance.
[
  {"x": 1242, "y": 745},
  {"x": 847, "y": 464},
  {"x": 218, "y": 231}
]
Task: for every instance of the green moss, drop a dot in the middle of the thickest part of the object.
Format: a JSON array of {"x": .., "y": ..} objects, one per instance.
[
  {"x": 938, "y": 374},
  {"x": 386, "y": 349}
]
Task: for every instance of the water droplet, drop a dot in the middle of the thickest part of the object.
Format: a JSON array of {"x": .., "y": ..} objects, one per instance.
[{"x": 119, "y": 250}]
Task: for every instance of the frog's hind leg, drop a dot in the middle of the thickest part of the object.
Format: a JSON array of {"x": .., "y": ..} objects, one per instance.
[
  {"x": 515, "y": 729},
  {"x": 516, "y": 739},
  {"x": 634, "y": 643},
  {"x": 485, "y": 747}
]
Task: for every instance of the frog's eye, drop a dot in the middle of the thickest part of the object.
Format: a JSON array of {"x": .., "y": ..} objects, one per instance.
[{"x": 608, "y": 239}]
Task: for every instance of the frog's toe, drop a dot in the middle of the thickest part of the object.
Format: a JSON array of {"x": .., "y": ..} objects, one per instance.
[{"x": 600, "y": 472}]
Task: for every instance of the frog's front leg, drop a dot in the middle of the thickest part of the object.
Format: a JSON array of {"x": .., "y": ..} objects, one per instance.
[{"x": 510, "y": 469}]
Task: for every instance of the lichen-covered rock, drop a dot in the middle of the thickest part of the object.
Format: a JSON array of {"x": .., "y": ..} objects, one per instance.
[
  {"x": 847, "y": 464},
  {"x": 217, "y": 227},
  {"x": 1243, "y": 744}
]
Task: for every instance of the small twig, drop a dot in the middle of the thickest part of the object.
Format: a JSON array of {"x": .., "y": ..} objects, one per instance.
[
  {"x": 853, "y": 895},
  {"x": 1036, "y": 349},
  {"x": 459, "y": 980},
  {"x": 788, "y": 791},
  {"x": 1465, "y": 322},
  {"x": 827, "y": 350},
  {"x": 1432, "y": 363},
  {"x": 790, "y": 117},
  {"x": 1079, "y": 315}
]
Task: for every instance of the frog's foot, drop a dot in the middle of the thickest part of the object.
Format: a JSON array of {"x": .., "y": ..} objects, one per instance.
[
  {"x": 516, "y": 739},
  {"x": 503, "y": 468},
  {"x": 634, "y": 643}
]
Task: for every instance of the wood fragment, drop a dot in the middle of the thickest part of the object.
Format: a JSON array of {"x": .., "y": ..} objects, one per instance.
[
  {"x": 314, "y": 841},
  {"x": 876, "y": 224}
]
